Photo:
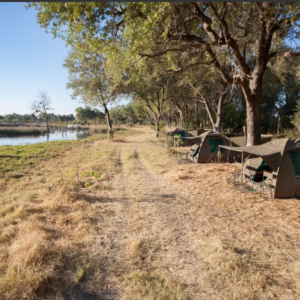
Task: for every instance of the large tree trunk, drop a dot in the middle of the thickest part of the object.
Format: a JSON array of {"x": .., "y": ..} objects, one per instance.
[
  {"x": 110, "y": 129},
  {"x": 253, "y": 123},
  {"x": 252, "y": 92}
]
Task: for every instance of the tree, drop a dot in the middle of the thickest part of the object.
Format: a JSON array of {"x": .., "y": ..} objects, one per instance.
[
  {"x": 129, "y": 113},
  {"x": 41, "y": 107},
  {"x": 141, "y": 111},
  {"x": 247, "y": 35},
  {"x": 116, "y": 114},
  {"x": 242, "y": 33},
  {"x": 85, "y": 114},
  {"x": 153, "y": 95},
  {"x": 88, "y": 79}
]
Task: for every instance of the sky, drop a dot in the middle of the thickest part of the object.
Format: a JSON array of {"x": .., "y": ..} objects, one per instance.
[{"x": 30, "y": 60}]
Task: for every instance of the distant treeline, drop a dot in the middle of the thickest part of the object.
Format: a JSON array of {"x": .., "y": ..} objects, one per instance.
[{"x": 83, "y": 116}]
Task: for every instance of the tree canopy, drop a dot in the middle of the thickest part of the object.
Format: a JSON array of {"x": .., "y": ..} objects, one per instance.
[{"x": 234, "y": 42}]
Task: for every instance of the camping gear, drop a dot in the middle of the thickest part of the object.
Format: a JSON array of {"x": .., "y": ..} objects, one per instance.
[
  {"x": 196, "y": 132},
  {"x": 258, "y": 178},
  {"x": 209, "y": 143},
  {"x": 282, "y": 156},
  {"x": 235, "y": 176},
  {"x": 194, "y": 152},
  {"x": 182, "y": 133},
  {"x": 240, "y": 140}
]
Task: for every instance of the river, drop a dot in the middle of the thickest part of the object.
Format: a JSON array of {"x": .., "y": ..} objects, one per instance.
[{"x": 33, "y": 139}]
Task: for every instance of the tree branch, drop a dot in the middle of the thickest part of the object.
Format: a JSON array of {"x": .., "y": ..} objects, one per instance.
[{"x": 283, "y": 54}]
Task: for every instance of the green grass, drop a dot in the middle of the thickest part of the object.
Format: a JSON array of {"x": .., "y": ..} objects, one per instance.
[{"x": 18, "y": 159}]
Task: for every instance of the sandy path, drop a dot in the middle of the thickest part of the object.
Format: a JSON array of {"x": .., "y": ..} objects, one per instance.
[
  {"x": 199, "y": 233},
  {"x": 152, "y": 213}
]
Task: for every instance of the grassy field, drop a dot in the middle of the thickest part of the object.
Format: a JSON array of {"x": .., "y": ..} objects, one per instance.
[
  {"x": 94, "y": 219},
  {"x": 16, "y": 160}
]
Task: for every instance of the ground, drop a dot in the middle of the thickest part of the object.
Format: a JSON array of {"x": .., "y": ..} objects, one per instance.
[{"x": 127, "y": 220}]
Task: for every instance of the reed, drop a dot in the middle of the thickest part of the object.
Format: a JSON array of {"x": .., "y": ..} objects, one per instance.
[{"x": 19, "y": 131}]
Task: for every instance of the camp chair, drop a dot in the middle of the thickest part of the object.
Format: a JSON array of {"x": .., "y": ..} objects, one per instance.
[
  {"x": 186, "y": 154},
  {"x": 258, "y": 178}
]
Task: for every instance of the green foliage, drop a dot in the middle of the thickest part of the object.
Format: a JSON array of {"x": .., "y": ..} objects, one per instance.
[
  {"x": 132, "y": 113},
  {"x": 137, "y": 47},
  {"x": 88, "y": 114},
  {"x": 177, "y": 140},
  {"x": 291, "y": 133},
  {"x": 233, "y": 119},
  {"x": 76, "y": 179}
]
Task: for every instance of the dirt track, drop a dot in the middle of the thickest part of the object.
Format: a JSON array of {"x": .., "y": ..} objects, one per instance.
[
  {"x": 196, "y": 230},
  {"x": 155, "y": 214}
]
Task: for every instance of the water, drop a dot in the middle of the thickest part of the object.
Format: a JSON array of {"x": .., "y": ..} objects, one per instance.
[{"x": 53, "y": 136}]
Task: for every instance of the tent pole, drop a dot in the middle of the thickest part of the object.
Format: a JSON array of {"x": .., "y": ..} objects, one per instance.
[{"x": 242, "y": 175}]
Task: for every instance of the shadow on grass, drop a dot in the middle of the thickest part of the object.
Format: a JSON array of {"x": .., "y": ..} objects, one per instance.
[{"x": 96, "y": 199}]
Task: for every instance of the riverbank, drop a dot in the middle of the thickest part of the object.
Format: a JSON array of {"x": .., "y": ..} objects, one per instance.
[
  {"x": 26, "y": 130},
  {"x": 16, "y": 160}
]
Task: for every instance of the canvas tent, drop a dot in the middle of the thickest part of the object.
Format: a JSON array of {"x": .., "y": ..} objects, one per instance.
[
  {"x": 282, "y": 156},
  {"x": 240, "y": 140},
  {"x": 182, "y": 133},
  {"x": 208, "y": 143}
]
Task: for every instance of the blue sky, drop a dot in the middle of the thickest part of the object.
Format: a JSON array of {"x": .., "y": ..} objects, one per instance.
[{"x": 30, "y": 60}]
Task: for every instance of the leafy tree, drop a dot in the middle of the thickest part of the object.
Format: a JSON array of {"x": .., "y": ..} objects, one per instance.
[
  {"x": 242, "y": 33},
  {"x": 65, "y": 118},
  {"x": 88, "y": 79},
  {"x": 140, "y": 111},
  {"x": 129, "y": 113},
  {"x": 116, "y": 114},
  {"x": 247, "y": 35},
  {"x": 85, "y": 114}
]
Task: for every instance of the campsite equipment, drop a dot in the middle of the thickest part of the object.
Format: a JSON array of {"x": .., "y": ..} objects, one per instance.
[
  {"x": 241, "y": 141},
  {"x": 236, "y": 176},
  {"x": 208, "y": 143},
  {"x": 276, "y": 166},
  {"x": 182, "y": 133}
]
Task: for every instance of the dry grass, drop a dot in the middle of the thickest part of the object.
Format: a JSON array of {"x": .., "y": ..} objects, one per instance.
[
  {"x": 158, "y": 158},
  {"x": 128, "y": 158},
  {"x": 49, "y": 221},
  {"x": 146, "y": 226},
  {"x": 154, "y": 286}
]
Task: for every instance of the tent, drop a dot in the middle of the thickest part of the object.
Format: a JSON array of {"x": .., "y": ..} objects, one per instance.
[
  {"x": 208, "y": 143},
  {"x": 282, "y": 156},
  {"x": 240, "y": 140},
  {"x": 182, "y": 133}
]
